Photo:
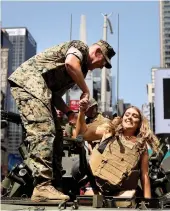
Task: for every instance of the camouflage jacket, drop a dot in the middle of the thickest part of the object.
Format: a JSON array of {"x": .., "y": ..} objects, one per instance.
[{"x": 45, "y": 72}]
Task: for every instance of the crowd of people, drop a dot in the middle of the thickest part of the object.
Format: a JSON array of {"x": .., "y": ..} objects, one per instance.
[{"x": 117, "y": 148}]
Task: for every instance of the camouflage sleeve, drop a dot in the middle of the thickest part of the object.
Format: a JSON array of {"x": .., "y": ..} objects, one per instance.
[
  {"x": 79, "y": 49},
  {"x": 68, "y": 129}
]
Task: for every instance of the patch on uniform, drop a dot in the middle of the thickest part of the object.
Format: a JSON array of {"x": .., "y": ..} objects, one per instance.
[{"x": 76, "y": 52}]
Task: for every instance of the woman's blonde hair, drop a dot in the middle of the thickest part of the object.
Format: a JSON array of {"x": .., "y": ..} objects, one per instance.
[{"x": 143, "y": 133}]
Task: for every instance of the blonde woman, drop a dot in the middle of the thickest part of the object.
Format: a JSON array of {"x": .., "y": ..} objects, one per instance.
[{"x": 122, "y": 156}]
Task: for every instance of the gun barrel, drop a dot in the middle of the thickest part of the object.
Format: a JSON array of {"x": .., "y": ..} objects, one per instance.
[{"x": 11, "y": 117}]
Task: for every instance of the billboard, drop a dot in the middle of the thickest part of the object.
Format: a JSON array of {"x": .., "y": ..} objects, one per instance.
[
  {"x": 162, "y": 101},
  {"x": 16, "y": 32},
  {"x": 74, "y": 105}
]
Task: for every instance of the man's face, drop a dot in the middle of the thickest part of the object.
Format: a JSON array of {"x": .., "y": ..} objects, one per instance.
[
  {"x": 91, "y": 112},
  {"x": 97, "y": 59}
]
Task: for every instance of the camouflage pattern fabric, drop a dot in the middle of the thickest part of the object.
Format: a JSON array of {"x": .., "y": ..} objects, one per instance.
[
  {"x": 69, "y": 129},
  {"x": 101, "y": 118},
  {"x": 45, "y": 73},
  {"x": 32, "y": 86},
  {"x": 40, "y": 128}
]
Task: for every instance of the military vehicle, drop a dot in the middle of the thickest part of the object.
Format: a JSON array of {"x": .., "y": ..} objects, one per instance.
[{"x": 18, "y": 184}]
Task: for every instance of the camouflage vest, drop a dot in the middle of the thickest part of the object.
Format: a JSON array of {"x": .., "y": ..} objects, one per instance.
[
  {"x": 118, "y": 165},
  {"x": 45, "y": 72}
]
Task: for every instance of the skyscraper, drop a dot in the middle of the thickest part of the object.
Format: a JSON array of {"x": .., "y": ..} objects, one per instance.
[
  {"x": 6, "y": 63},
  {"x": 165, "y": 32},
  {"x": 151, "y": 98},
  {"x": 24, "y": 47},
  {"x": 6, "y": 66}
]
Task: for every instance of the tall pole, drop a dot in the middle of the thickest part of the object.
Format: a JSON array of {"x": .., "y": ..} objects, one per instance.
[
  {"x": 104, "y": 71},
  {"x": 151, "y": 111},
  {"x": 83, "y": 34},
  {"x": 67, "y": 93},
  {"x": 71, "y": 27},
  {"x": 118, "y": 65}
]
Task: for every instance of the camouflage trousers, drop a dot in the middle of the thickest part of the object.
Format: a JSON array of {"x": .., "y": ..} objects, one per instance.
[{"x": 43, "y": 133}]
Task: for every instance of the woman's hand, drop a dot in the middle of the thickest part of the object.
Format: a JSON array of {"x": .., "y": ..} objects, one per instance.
[{"x": 84, "y": 102}]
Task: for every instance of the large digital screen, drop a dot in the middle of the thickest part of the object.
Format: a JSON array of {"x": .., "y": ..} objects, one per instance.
[
  {"x": 166, "y": 97},
  {"x": 162, "y": 101}
]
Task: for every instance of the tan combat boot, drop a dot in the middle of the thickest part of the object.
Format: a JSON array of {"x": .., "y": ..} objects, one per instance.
[{"x": 45, "y": 192}]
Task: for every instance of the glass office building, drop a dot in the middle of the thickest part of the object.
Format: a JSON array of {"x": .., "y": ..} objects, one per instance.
[
  {"x": 165, "y": 33},
  {"x": 24, "y": 47}
]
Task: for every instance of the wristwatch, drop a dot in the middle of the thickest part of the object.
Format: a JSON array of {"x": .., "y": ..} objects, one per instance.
[{"x": 69, "y": 112}]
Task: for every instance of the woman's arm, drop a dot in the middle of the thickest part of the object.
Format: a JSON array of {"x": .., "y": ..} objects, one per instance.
[
  {"x": 145, "y": 175},
  {"x": 74, "y": 133},
  {"x": 92, "y": 132},
  {"x": 81, "y": 126}
]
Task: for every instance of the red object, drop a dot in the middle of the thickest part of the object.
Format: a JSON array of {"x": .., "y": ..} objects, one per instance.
[{"x": 74, "y": 105}]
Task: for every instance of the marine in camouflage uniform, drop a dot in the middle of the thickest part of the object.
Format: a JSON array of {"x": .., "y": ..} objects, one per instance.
[
  {"x": 35, "y": 86},
  {"x": 92, "y": 112},
  {"x": 94, "y": 118}
]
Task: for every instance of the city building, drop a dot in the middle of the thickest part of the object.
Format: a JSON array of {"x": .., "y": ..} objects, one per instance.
[
  {"x": 6, "y": 66},
  {"x": 165, "y": 33},
  {"x": 150, "y": 93},
  {"x": 110, "y": 90},
  {"x": 97, "y": 86},
  {"x": 146, "y": 111},
  {"x": 23, "y": 48},
  {"x": 113, "y": 96},
  {"x": 6, "y": 63},
  {"x": 122, "y": 106},
  {"x": 4, "y": 141},
  {"x": 148, "y": 108},
  {"x": 151, "y": 99}
]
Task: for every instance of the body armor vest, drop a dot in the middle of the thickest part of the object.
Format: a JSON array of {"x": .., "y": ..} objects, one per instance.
[{"x": 118, "y": 165}]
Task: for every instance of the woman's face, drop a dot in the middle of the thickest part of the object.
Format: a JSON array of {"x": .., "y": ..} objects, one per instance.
[{"x": 131, "y": 120}]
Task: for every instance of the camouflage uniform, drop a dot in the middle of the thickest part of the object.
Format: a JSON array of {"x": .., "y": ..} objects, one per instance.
[
  {"x": 69, "y": 129},
  {"x": 32, "y": 85},
  {"x": 98, "y": 118}
]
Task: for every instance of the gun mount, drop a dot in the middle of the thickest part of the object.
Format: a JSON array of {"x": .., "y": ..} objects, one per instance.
[
  {"x": 11, "y": 117},
  {"x": 159, "y": 178}
]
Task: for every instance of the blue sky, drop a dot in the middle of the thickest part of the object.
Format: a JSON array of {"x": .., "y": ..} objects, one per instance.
[{"x": 49, "y": 24}]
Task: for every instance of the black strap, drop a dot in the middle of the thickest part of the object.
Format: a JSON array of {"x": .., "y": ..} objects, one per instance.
[
  {"x": 103, "y": 144},
  {"x": 84, "y": 164}
]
